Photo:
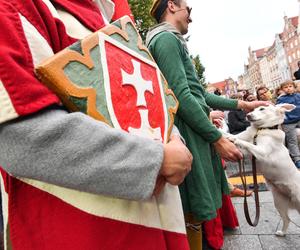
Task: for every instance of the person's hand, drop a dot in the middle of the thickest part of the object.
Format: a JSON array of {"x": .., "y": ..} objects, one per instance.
[
  {"x": 217, "y": 117},
  {"x": 177, "y": 161},
  {"x": 218, "y": 123},
  {"x": 249, "y": 106},
  {"x": 227, "y": 150},
  {"x": 159, "y": 185},
  {"x": 216, "y": 114}
]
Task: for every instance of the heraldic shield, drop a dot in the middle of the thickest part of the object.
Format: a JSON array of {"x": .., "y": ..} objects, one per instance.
[
  {"x": 135, "y": 95},
  {"x": 111, "y": 76}
]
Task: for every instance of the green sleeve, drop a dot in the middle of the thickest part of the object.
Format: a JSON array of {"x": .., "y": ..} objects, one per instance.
[
  {"x": 168, "y": 53},
  {"x": 218, "y": 102}
]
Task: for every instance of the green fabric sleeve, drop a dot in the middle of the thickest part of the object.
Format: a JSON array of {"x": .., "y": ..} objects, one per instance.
[
  {"x": 168, "y": 53},
  {"x": 218, "y": 102}
]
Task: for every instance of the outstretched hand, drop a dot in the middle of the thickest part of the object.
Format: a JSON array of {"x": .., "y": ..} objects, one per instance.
[
  {"x": 216, "y": 114},
  {"x": 249, "y": 106},
  {"x": 217, "y": 117},
  {"x": 227, "y": 150}
]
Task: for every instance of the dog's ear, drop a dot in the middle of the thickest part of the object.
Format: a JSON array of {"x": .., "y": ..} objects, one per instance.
[{"x": 285, "y": 107}]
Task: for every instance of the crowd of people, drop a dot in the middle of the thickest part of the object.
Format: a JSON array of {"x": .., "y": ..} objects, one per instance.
[
  {"x": 287, "y": 92},
  {"x": 40, "y": 140}
]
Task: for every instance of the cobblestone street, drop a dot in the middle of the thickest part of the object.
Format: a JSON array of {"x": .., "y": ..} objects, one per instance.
[{"x": 261, "y": 237}]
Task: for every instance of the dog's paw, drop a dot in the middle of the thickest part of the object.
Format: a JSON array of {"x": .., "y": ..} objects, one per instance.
[
  {"x": 280, "y": 233},
  {"x": 238, "y": 142},
  {"x": 231, "y": 138},
  {"x": 226, "y": 135}
]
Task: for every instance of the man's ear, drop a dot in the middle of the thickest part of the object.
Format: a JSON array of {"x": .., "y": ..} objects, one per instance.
[
  {"x": 285, "y": 107},
  {"x": 171, "y": 6}
]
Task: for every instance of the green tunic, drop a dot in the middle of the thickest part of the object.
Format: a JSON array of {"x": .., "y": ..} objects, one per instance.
[{"x": 201, "y": 192}]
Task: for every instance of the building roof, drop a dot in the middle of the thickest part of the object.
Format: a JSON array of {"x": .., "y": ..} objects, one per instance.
[
  {"x": 260, "y": 52},
  {"x": 219, "y": 85},
  {"x": 294, "y": 21}
]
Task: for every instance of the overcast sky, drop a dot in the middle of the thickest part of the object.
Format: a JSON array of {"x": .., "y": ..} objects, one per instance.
[{"x": 222, "y": 31}]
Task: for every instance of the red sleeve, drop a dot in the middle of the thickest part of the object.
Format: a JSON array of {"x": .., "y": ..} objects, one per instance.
[
  {"x": 25, "y": 92},
  {"x": 122, "y": 9}
]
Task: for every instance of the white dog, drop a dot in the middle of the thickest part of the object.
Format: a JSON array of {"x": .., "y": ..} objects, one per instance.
[{"x": 272, "y": 157}]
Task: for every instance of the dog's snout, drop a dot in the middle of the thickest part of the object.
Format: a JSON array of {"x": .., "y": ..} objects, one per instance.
[{"x": 249, "y": 116}]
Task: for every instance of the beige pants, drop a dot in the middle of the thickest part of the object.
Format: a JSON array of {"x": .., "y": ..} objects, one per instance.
[{"x": 194, "y": 232}]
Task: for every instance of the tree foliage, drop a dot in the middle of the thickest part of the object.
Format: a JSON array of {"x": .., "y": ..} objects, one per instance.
[
  {"x": 200, "y": 69},
  {"x": 141, "y": 12}
]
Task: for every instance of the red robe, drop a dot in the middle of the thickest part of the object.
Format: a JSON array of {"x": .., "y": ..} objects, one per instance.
[{"x": 39, "y": 219}]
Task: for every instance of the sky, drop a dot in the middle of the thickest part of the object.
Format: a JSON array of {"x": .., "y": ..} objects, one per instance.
[{"x": 222, "y": 31}]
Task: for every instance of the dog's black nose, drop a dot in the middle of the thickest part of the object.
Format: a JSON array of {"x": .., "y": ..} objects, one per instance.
[{"x": 249, "y": 116}]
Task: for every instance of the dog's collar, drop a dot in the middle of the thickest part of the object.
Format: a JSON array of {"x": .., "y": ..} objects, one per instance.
[
  {"x": 259, "y": 129},
  {"x": 274, "y": 127}
]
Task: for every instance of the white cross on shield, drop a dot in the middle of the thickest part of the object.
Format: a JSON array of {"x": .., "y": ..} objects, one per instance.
[{"x": 134, "y": 91}]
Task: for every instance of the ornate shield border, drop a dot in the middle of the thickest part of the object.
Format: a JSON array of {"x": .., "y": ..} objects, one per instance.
[{"x": 52, "y": 71}]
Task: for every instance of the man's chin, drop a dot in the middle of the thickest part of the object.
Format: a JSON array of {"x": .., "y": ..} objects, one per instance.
[{"x": 184, "y": 32}]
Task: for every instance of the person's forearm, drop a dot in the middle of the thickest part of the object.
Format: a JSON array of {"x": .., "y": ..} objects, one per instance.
[
  {"x": 218, "y": 102},
  {"x": 78, "y": 152},
  {"x": 241, "y": 105},
  {"x": 193, "y": 115}
]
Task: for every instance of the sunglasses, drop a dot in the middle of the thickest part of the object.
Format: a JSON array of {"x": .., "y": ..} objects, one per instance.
[{"x": 188, "y": 9}]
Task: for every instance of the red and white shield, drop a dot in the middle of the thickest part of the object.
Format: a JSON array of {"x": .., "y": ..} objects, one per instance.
[{"x": 134, "y": 91}]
